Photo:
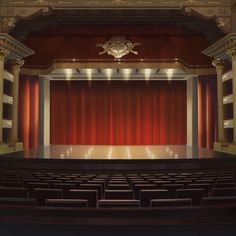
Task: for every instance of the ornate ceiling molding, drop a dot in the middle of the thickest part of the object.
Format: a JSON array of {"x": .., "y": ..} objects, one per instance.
[
  {"x": 220, "y": 50},
  {"x": 17, "y": 50},
  {"x": 13, "y": 10},
  {"x": 10, "y": 15},
  {"x": 118, "y": 3},
  {"x": 221, "y": 15}
]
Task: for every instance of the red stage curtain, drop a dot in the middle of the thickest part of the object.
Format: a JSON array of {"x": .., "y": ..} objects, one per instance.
[
  {"x": 28, "y": 111},
  {"x": 118, "y": 113},
  {"x": 207, "y": 111}
]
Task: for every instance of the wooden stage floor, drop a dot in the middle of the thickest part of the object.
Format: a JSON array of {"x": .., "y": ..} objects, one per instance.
[{"x": 101, "y": 152}]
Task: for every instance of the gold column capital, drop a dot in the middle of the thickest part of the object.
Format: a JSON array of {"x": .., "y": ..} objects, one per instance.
[
  {"x": 232, "y": 53},
  {"x": 3, "y": 52},
  {"x": 17, "y": 64},
  {"x": 219, "y": 64}
]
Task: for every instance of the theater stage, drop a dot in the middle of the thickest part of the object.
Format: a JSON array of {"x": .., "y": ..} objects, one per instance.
[
  {"x": 117, "y": 158},
  {"x": 119, "y": 152}
]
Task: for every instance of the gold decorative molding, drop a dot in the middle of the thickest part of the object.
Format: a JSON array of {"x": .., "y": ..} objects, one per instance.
[
  {"x": 16, "y": 49},
  {"x": 221, "y": 15},
  {"x": 124, "y": 63},
  {"x": 119, "y": 3},
  {"x": 13, "y": 10},
  {"x": 3, "y": 52},
  {"x": 17, "y": 63},
  {"x": 10, "y": 15},
  {"x": 219, "y": 64},
  {"x": 232, "y": 53},
  {"x": 219, "y": 49}
]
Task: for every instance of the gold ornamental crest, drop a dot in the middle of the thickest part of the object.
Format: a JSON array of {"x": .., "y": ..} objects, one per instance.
[{"x": 118, "y": 46}]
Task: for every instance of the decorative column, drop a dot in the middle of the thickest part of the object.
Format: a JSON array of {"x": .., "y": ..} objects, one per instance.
[
  {"x": 3, "y": 54},
  {"x": 192, "y": 111},
  {"x": 219, "y": 70},
  {"x": 232, "y": 54},
  {"x": 44, "y": 111},
  {"x": 15, "y": 69}
]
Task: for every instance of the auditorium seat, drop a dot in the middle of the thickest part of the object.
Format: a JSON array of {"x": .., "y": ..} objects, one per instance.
[
  {"x": 138, "y": 187},
  {"x": 90, "y": 195},
  {"x": 184, "y": 182},
  {"x": 206, "y": 187},
  {"x": 97, "y": 187},
  {"x": 105, "y": 203},
  {"x": 160, "y": 183},
  {"x": 12, "y": 184},
  {"x": 43, "y": 193},
  {"x": 146, "y": 195},
  {"x": 118, "y": 194},
  {"x": 210, "y": 182},
  {"x": 224, "y": 185},
  {"x": 32, "y": 185},
  {"x": 171, "y": 202},
  {"x": 217, "y": 192},
  {"x": 172, "y": 188},
  {"x": 66, "y": 203},
  {"x": 76, "y": 182},
  {"x": 17, "y": 201},
  {"x": 195, "y": 194},
  {"x": 13, "y": 192},
  {"x": 132, "y": 182},
  {"x": 65, "y": 187},
  {"x": 229, "y": 200},
  {"x": 101, "y": 182},
  {"x": 118, "y": 186}
]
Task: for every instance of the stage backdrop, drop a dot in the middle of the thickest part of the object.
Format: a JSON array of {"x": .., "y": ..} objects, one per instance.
[{"x": 118, "y": 113}]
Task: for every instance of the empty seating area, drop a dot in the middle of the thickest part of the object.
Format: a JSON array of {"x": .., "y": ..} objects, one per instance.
[{"x": 124, "y": 190}]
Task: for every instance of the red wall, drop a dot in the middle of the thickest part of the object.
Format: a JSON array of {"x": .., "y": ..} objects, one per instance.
[{"x": 79, "y": 42}]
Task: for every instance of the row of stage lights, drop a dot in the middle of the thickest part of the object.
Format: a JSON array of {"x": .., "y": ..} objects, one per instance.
[{"x": 126, "y": 74}]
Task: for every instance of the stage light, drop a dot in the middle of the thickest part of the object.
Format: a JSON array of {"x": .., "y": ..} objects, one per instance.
[
  {"x": 89, "y": 73},
  {"x": 127, "y": 73},
  {"x": 108, "y": 73},
  {"x": 170, "y": 73},
  {"x": 69, "y": 73},
  {"x": 147, "y": 73},
  {"x": 62, "y": 155}
]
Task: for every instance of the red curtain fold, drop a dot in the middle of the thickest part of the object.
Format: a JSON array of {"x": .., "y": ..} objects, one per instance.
[
  {"x": 29, "y": 111},
  {"x": 207, "y": 111},
  {"x": 118, "y": 113}
]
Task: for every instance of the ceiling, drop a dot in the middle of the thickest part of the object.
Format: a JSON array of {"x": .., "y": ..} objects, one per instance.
[{"x": 120, "y": 16}]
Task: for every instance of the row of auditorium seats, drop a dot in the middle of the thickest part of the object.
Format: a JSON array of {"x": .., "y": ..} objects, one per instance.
[{"x": 35, "y": 188}]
